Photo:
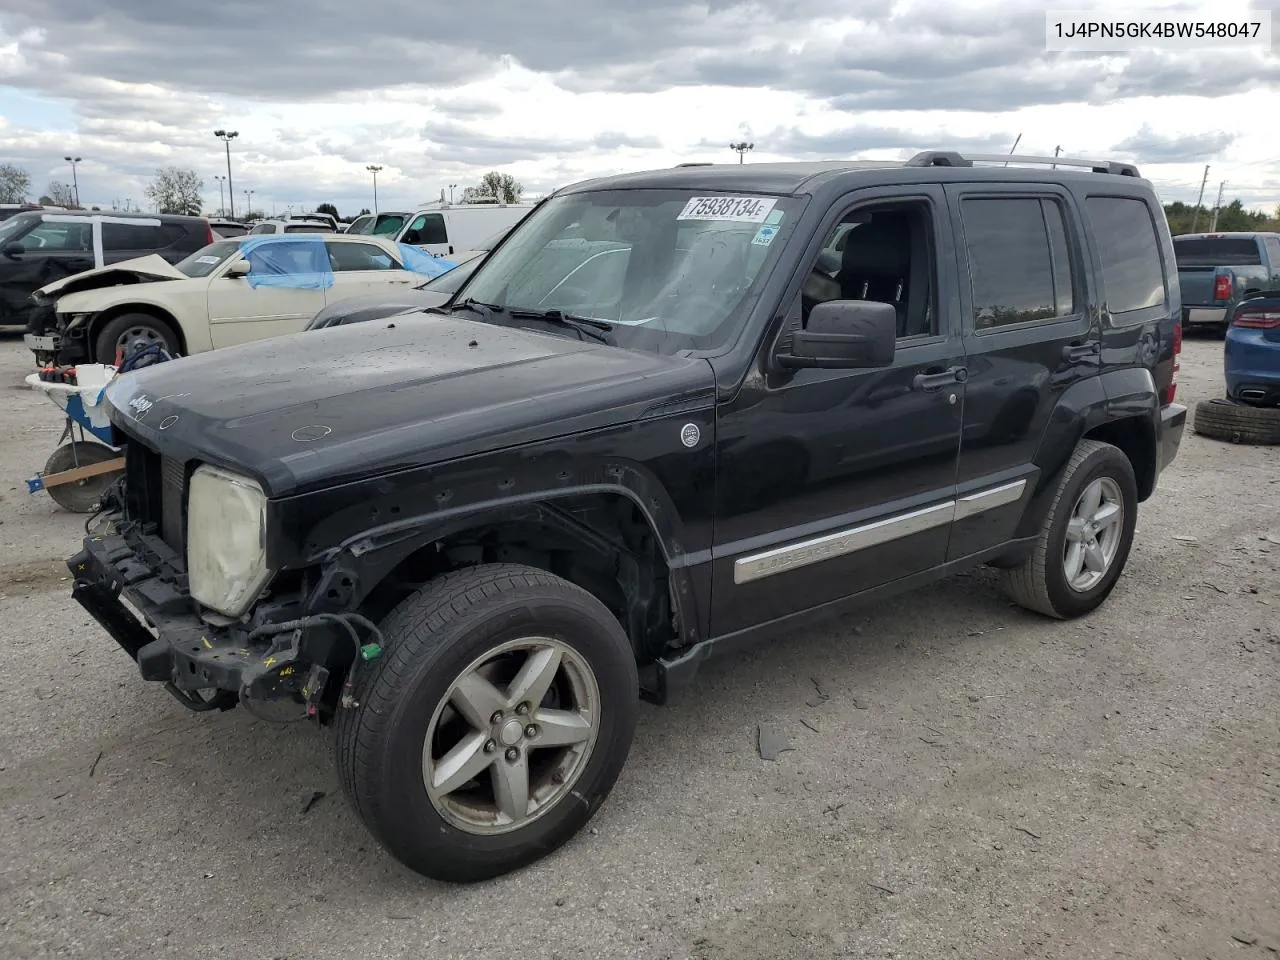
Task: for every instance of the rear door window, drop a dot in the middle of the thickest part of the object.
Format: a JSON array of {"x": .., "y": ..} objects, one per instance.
[
  {"x": 1019, "y": 265},
  {"x": 345, "y": 257},
  {"x": 1129, "y": 248},
  {"x": 130, "y": 236}
]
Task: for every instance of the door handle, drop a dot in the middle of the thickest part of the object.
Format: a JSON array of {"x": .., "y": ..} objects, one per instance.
[
  {"x": 1081, "y": 351},
  {"x": 938, "y": 379}
]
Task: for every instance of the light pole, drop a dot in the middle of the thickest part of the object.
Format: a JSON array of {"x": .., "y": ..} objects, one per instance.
[
  {"x": 248, "y": 203},
  {"x": 226, "y": 136},
  {"x": 741, "y": 147},
  {"x": 374, "y": 168},
  {"x": 75, "y": 183},
  {"x": 222, "y": 201},
  {"x": 452, "y": 187}
]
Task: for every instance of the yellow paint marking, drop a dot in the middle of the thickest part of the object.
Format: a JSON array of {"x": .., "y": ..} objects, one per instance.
[{"x": 205, "y": 641}]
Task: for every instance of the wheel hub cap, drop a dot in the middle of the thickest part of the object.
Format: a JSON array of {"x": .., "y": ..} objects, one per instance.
[
  {"x": 1093, "y": 534},
  {"x": 511, "y": 733}
]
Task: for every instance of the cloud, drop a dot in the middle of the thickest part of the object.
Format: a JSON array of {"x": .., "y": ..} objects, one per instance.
[{"x": 1147, "y": 146}]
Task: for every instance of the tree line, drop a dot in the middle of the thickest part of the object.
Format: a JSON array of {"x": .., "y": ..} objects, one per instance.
[{"x": 180, "y": 190}]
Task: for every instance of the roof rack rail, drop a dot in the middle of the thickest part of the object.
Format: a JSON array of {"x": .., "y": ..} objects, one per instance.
[
  {"x": 696, "y": 163},
  {"x": 946, "y": 158}
]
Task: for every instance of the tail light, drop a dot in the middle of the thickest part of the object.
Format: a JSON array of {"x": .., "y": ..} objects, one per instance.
[
  {"x": 1222, "y": 287},
  {"x": 1256, "y": 318},
  {"x": 1171, "y": 391},
  {"x": 208, "y": 229}
]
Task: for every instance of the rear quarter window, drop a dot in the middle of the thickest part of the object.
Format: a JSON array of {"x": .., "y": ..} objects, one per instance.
[
  {"x": 1125, "y": 237},
  {"x": 131, "y": 236}
]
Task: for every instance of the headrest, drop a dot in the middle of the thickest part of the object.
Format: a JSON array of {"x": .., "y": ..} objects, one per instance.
[{"x": 882, "y": 246}]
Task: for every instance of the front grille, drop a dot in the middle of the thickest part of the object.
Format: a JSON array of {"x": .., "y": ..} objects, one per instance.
[
  {"x": 155, "y": 492},
  {"x": 173, "y": 501}
]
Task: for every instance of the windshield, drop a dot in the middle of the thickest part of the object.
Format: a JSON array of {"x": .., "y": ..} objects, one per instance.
[
  {"x": 1217, "y": 252},
  {"x": 17, "y": 225},
  {"x": 668, "y": 269},
  {"x": 207, "y": 259}
]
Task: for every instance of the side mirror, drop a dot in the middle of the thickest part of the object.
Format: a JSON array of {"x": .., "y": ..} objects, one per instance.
[
  {"x": 240, "y": 268},
  {"x": 12, "y": 250},
  {"x": 845, "y": 334}
]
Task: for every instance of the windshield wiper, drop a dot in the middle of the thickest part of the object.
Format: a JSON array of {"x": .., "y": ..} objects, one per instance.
[
  {"x": 476, "y": 306},
  {"x": 585, "y": 325}
]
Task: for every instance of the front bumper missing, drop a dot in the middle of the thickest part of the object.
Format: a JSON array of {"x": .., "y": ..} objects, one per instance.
[{"x": 203, "y": 666}]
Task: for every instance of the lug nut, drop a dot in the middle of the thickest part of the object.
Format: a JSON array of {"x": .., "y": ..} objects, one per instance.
[
  {"x": 522, "y": 709},
  {"x": 490, "y": 746},
  {"x": 497, "y": 717},
  {"x": 513, "y": 755},
  {"x": 557, "y": 777},
  {"x": 531, "y": 731}
]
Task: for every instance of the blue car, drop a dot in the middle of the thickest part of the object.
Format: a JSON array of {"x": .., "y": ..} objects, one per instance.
[{"x": 1251, "y": 358}]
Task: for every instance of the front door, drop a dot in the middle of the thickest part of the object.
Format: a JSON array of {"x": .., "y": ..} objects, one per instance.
[
  {"x": 831, "y": 482},
  {"x": 1030, "y": 336},
  {"x": 278, "y": 296},
  {"x": 430, "y": 232}
]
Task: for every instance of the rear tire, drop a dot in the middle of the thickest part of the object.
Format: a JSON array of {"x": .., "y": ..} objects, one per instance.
[
  {"x": 424, "y": 711},
  {"x": 133, "y": 331},
  {"x": 1237, "y": 422},
  {"x": 1044, "y": 581}
]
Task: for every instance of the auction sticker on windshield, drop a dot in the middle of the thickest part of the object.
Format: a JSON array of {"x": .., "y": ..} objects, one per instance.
[{"x": 737, "y": 209}]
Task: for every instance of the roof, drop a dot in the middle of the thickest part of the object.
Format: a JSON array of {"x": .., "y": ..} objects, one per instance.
[
  {"x": 790, "y": 178},
  {"x": 1236, "y": 235}
]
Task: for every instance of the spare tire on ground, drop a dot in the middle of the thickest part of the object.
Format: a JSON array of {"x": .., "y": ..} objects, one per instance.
[{"x": 1237, "y": 422}]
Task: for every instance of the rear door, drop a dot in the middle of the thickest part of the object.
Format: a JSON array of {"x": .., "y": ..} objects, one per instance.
[
  {"x": 1029, "y": 336},
  {"x": 125, "y": 241},
  {"x": 264, "y": 304},
  {"x": 360, "y": 268}
]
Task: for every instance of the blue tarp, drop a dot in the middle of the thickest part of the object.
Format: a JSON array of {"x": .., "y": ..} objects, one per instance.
[
  {"x": 419, "y": 261},
  {"x": 299, "y": 262}
]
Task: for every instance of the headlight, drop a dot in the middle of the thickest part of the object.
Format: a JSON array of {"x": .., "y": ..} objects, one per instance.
[{"x": 226, "y": 540}]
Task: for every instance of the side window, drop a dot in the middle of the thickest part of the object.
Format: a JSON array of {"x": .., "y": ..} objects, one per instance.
[
  {"x": 427, "y": 228},
  {"x": 344, "y": 257},
  {"x": 51, "y": 237},
  {"x": 1129, "y": 249},
  {"x": 1273, "y": 253},
  {"x": 883, "y": 252},
  {"x": 288, "y": 258},
  {"x": 130, "y": 236},
  {"x": 1019, "y": 261}
]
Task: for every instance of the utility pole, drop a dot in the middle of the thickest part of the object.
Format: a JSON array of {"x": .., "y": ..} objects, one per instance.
[
  {"x": 222, "y": 201},
  {"x": 1217, "y": 206},
  {"x": 248, "y": 202},
  {"x": 226, "y": 136},
  {"x": 1195, "y": 220},
  {"x": 452, "y": 187},
  {"x": 741, "y": 147},
  {"x": 1056, "y": 151}
]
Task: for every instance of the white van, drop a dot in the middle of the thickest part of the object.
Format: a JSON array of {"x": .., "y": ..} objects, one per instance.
[{"x": 446, "y": 229}]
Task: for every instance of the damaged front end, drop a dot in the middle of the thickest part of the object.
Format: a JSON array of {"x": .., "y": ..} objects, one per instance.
[{"x": 132, "y": 576}]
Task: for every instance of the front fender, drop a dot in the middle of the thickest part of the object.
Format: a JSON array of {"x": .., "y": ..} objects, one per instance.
[{"x": 358, "y": 533}]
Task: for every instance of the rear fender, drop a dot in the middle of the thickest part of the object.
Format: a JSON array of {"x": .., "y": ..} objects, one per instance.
[{"x": 1119, "y": 406}]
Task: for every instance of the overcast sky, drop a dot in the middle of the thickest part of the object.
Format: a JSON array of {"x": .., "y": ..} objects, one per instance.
[{"x": 552, "y": 91}]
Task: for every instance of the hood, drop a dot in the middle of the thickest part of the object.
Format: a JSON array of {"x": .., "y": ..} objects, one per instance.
[
  {"x": 140, "y": 269},
  {"x": 324, "y": 407},
  {"x": 375, "y": 307}
]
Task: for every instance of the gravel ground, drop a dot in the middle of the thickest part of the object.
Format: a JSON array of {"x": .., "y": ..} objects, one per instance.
[{"x": 964, "y": 779}]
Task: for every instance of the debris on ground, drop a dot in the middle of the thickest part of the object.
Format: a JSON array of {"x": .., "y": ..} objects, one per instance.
[
  {"x": 316, "y": 797},
  {"x": 770, "y": 741}
]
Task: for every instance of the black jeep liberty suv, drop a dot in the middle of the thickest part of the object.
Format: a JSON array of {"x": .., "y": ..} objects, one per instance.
[{"x": 670, "y": 413}]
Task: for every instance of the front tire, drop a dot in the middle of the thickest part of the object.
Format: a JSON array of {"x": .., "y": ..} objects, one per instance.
[
  {"x": 131, "y": 332},
  {"x": 1085, "y": 540},
  {"x": 493, "y": 726}
]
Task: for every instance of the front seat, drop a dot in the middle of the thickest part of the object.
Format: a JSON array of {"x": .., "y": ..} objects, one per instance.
[{"x": 875, "y": 265}]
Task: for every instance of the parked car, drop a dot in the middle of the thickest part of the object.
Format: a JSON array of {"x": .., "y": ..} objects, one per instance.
[
  {"x": 1250, "y": 412},
  {"x": 289, "y": 226},
  {"x": 387, "y": 224},
  {"x": 429, "y": 293},
  {"x": 226, "y": 229},
  {"x": 39, "y": 247},
  {"x": 8, "y": 210},
  {"x": 1218, "y": 270},
  {"x": 328, "y": 219},
  {"x": 229, "y": 292},
  {"x": 468, "y": 543}
]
